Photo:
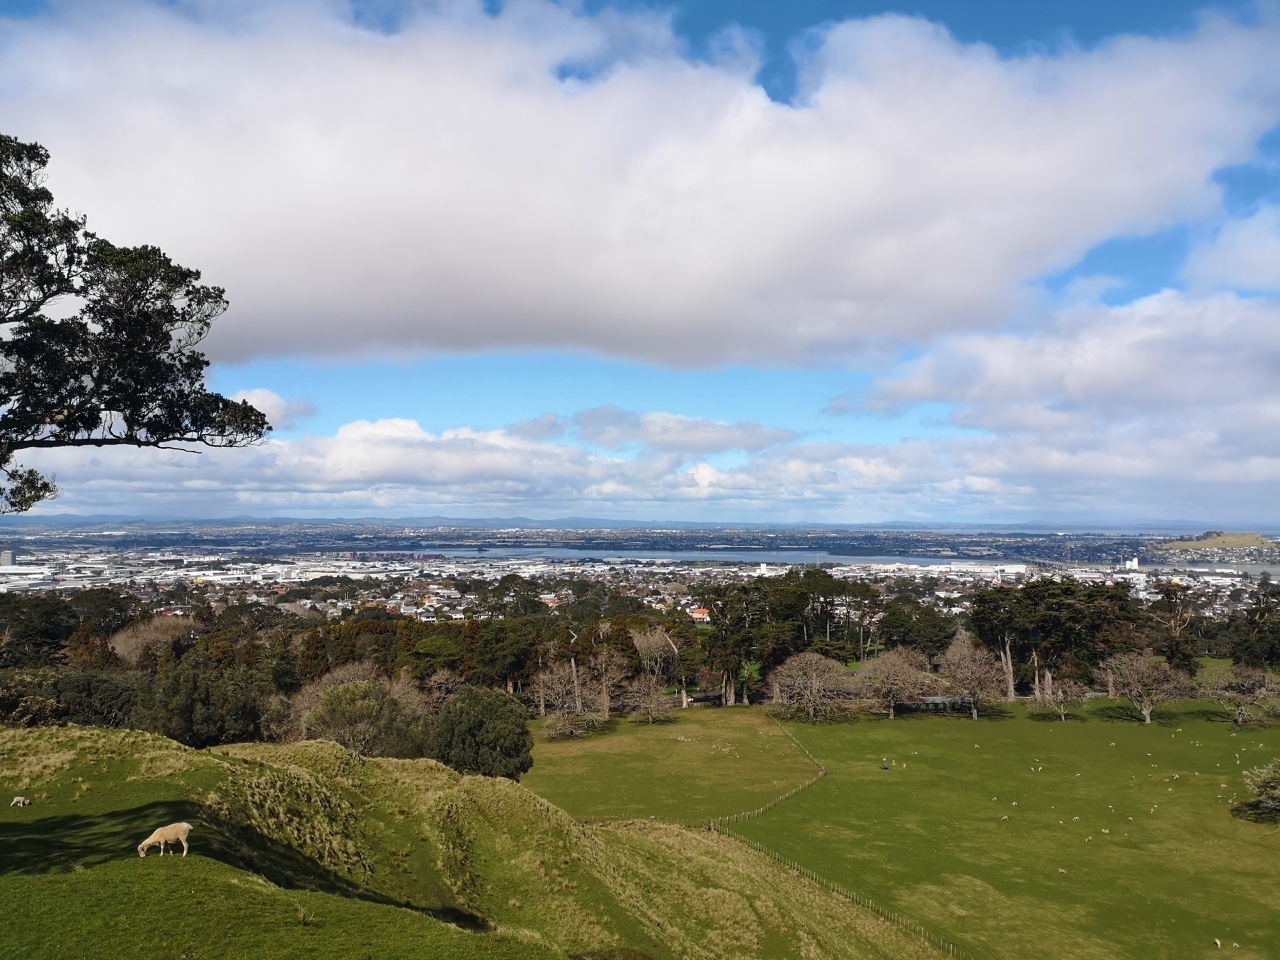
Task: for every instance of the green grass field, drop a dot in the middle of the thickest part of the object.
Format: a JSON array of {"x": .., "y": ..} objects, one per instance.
[
  {"x": 927, "y": 836},
  {"x": 310, "y": 851},
  {"x": 704, "y": 764}
]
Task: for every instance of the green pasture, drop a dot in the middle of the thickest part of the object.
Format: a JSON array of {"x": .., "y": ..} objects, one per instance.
[
  {"x": 705, "y": 763},
  {"x": 928, "y": 838},
  {"x": 200, "y": 908}
]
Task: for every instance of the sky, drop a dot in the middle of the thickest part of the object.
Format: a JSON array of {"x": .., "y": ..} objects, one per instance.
[{"x": 821, "y": 261}]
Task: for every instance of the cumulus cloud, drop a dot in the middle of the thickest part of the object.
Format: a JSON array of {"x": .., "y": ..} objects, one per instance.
[
  {"x": 612, "y": 427},
  {"x": 1169, "y": 403},
  {"x": 1245, "y": 254},
  {"x": 550, "y": 179},
  {"x": 280, "y": 413},
  {"x": 1166, "y": 408}
]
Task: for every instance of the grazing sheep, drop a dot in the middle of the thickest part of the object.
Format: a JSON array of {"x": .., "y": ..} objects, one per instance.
[
  {"x": 1060, "y": 870},
  {"x": 19, "y": 802},
  {"x": 174, "y": 833}
]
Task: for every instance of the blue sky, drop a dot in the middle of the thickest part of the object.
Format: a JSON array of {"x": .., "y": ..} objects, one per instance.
[{"x": 810, "y": 262}]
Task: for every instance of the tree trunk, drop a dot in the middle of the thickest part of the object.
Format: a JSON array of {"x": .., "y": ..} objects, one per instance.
[
  {"x": 542, "y": 700},
  {"x": 1146, "y": 712},
  {"x": 890, "y": 711},
  {"x": 1111, "y": 686},
  {"x": 1048, "y": 684},
  {"x": 684, "y": 694},
  {"x": 973, "y": 708},
  {"x": 511, "y": 688},
  {"x": 577, "y": 692},
  {"x": 604, "y": 696},
  {"x": 1035, "y": 672},
  {"x": 1007, "y": 657}
]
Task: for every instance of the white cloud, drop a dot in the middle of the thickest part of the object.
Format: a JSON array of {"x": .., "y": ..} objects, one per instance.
[
  {"x": 441, "y": 188},
  {"x": 280, "y": 413},
  {"x": 612, "y": 427},
  {"x": 1167, "y": 408},
  {"x": 1245, "y": 254},
  {"x": 549, "y": 426}
]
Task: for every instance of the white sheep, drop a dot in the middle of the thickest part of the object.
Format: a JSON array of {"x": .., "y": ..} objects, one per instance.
[
  {"x": 174, "y": 833},
  {"x": 19, "y": 802}
]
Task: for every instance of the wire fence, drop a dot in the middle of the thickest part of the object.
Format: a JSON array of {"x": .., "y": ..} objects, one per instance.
[{"x": 721, "y": 826}]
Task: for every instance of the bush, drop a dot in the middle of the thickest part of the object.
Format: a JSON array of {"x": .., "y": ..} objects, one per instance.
[
  {"x": 197, "y": 703},
  {"x": 1265, "y": 782},
  {"x": 482, "y": 731},
  {"x": 363, "y": 716},
  {"x": 99, "y": 699}
]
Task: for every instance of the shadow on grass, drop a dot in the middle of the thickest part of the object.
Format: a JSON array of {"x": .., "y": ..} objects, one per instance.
[
  {"x": 1118, "y": 713},
  {"x": 1254, "y": 813},
  {"x": 68, "y": 842},
  {"x": 1052, "y": 716}
]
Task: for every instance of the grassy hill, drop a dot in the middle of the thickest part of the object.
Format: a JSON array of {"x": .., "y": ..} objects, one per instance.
[
  {"x": 1219, "y": 541},
  {"x": 308, "y": 850}
]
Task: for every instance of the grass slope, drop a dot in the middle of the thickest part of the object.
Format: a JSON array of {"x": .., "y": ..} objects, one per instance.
[
  {"x": 380, "y": 858},
  {"x": 705, "y": 764}
]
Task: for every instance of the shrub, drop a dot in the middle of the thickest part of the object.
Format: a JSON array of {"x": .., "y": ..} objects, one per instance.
[
  {"x": 363, "y": 716},
  {"x": 197, "y": 703},
  {"x": 1265, "y": 782},
  {"x": 482, "y": 731}
]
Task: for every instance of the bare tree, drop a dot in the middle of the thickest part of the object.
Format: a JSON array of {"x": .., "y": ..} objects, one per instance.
[
  {"x": 608, "y": 669},
  {"x": 656, "y": 649},
  {"x": 559, "y": 688},
  {"x": 646, "y": 696},
  {"x": 1145, "y": 681},
  {"x": 1065, "y": 694},
  {"x": 811, "y": 685},
  {"x": 973, "y": 671},
  {"x": 900, "y": 675},
  {"x": 1237, "y": 688}
]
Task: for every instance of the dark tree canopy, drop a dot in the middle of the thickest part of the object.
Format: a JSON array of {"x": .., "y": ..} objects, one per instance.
[
  {"x": 482, "y": 731},
  {"x": 124, "y": 369}
]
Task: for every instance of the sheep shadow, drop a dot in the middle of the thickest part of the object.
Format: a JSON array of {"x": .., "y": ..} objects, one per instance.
[{"x": 69, "y": 842}]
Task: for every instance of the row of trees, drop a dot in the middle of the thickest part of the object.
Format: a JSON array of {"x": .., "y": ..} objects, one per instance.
[
  {"x": 233, "y": 673},
  {"x": 812, "y": 687}
]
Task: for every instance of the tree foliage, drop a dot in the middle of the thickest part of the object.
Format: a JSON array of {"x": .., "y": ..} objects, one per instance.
[
  {"x": 482, "y": 731},
  {"x": 124, "y": 369}
]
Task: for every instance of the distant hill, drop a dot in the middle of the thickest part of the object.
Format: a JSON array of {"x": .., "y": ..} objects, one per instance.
[{"x": 1216, "y": 539}]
